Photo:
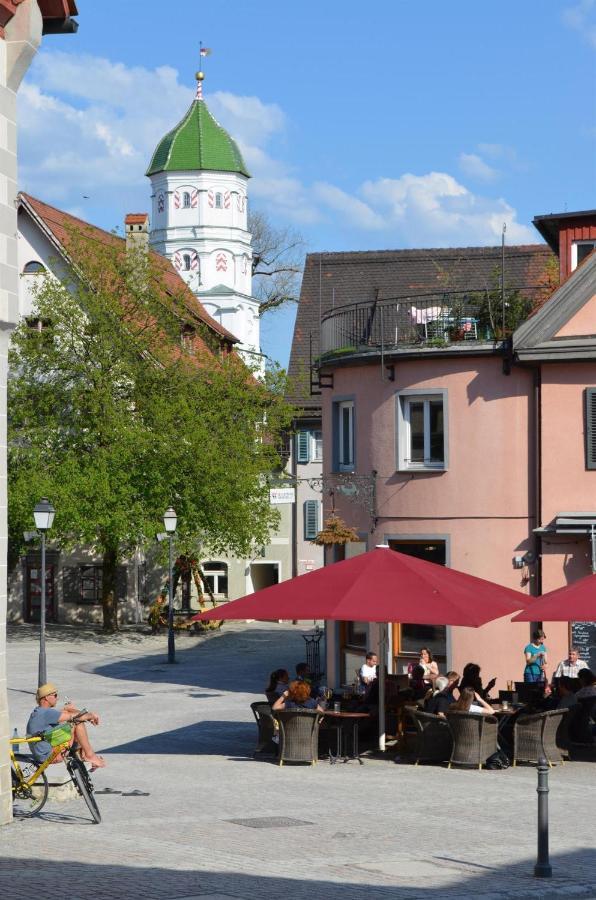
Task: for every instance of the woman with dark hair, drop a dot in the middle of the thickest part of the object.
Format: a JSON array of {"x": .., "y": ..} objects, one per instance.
[
  {"x": 535, "y": 656},
  {"x": 587, "y": 680},
  {"x": 297, "y": 696},
  {"x": 470, "y": 701},
  {"x": 278, "y": 683},
  {"x": 430, "y": 666},
  {"x": 471, "y": 678},
  {"x": 418, "y": 686}
]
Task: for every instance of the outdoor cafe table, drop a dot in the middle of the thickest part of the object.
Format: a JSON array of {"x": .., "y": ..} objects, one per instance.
[
  {"x": 504, "y": 716},
  {"x": 342, "y": 720}
]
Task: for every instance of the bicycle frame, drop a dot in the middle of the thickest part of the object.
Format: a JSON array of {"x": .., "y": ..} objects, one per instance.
[{"x": 29, "y": 782}]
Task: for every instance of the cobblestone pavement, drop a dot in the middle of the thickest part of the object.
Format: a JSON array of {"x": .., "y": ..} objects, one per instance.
[{"x": 183, "y": 736}]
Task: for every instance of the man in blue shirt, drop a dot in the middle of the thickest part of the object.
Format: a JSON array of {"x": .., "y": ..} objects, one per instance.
[{"x": 46, "y": 716}]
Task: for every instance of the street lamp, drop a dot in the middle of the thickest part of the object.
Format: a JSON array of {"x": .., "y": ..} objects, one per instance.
[
  {"x": 170, "y": 521},
  {"x": 43, "y": 513}
]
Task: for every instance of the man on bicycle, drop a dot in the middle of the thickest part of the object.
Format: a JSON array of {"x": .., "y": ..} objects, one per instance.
[{"x": 45, "y": 716}]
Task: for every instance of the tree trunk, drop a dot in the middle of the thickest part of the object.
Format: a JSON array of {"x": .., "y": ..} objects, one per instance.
[{"x": 109, "y": 598}]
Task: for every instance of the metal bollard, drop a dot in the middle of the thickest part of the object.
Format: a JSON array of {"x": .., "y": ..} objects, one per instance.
[{"x": 543, "y": 868}]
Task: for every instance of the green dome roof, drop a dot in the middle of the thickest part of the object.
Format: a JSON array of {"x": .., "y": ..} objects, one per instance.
[{"x": 197, "y": 142}]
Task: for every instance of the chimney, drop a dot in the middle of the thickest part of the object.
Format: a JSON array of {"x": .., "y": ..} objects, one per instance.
[{"x": 136, "y": 228}]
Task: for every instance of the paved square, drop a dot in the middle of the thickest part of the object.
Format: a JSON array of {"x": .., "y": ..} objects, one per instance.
[{"x": 178, "y": 741}]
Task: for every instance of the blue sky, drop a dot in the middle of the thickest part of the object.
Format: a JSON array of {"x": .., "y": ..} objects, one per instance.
[{"x": 388, "y": 124}]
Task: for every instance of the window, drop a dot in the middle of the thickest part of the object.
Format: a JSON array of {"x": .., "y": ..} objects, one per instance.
[
  {"x": 422, "y": 432},
  {"x": 312, "y": 519},
  {"x": 216, "y": 577},
  {"x": 186, "y": 200},
  {"x": 343, "y": 436},
  {"x": 309, "y": 446},
  {"x": 33, "y": 268},
  {"x": 218, "y": 201},
  {"x": 579, "y": 251},
  {"x": 356, "y": 634},
  {"x": 186, "y": 262},
  {"x": 91, "y": 582}
]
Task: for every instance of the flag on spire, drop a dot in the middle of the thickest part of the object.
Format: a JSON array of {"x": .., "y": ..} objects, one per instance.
[{"x": 205, "y": 51}]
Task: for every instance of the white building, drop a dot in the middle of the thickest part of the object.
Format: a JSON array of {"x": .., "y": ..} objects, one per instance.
[{"x": 199, "y": 220}]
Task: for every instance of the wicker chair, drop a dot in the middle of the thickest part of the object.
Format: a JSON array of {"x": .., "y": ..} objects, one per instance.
[
  {"x": 298, "y": 735},
  {"x": 433, "y": 737},
  {"x": 474, "y": 738},
  {"x": 265, "y": 724},
  {"x": 580, "y": 720},
  {"x": 535, "y": 736}
]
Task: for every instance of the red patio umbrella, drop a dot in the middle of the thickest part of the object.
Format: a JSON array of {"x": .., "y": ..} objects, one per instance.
[
  {"x": 379, "y": 586},
  {"x": 575, "y": 602}
]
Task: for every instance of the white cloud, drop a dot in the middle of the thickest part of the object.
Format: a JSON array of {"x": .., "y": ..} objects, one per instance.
[
  {"x": 582, "y": 18},
  {"x": 474, "y": 166},
  {"x": 89, "y": 126}
]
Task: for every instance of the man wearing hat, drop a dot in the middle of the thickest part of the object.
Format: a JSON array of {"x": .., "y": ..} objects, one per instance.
[{"x": 45, "y": 716}]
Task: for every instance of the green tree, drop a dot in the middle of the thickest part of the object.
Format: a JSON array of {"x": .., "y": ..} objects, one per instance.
[{"x": 115, "y": 417}]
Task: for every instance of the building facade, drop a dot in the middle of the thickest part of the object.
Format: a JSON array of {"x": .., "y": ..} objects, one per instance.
[
  {"x": 478, "y": 447},
  {"x": 22, "y": 24}
]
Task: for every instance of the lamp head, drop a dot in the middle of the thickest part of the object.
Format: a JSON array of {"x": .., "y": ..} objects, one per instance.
[
  {"x": 170, "y": 520},
  {"x": 44, "y": 513}
]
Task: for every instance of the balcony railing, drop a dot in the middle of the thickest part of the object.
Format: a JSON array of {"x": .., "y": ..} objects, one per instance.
[{"x": 429, "y": 320}]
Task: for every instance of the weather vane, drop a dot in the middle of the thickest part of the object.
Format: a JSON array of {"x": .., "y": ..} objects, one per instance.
[{"x": 200, "y": 76}]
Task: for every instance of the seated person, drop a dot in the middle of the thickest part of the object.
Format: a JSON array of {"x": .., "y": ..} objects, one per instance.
[
  {"x": 443, "y": 696},
  {"x": 297, "y": 696},
  {"x": 303, "y": 672},
  {"x": 566, "y": 688},
  {"x": 470, "y": 701},
  {"x": 571, "y": 666},
  {"x": 471, "y": 678},
  {"x": 278, "y": 683},
  {"x": 418, "y": 686},
  {"x": 46, "y": 716},
  {"x": 430, "y": 666},
  {"x": 367, "y": 673},
  {"x": 587, "y": 680}
]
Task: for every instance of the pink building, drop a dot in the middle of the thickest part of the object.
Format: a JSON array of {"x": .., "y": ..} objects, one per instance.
[{"x": 446, "y": 441}]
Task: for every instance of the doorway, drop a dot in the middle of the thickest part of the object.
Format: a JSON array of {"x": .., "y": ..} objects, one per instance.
[
  {"x": 264, "y": 574},
  {"x": 408, "y": 638},
  {"x": 33, "y": 591}
]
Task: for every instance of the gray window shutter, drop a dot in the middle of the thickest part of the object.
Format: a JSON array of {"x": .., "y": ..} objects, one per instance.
[
  {"x": 302, "y": 440},
  {"x": 590, "y": 428},
  {"x": 71, "y": 584},
  {"x": 311, "y": 519}
]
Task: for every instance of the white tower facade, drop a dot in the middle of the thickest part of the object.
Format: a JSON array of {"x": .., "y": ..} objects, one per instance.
[{"x": 199, "y": 221}]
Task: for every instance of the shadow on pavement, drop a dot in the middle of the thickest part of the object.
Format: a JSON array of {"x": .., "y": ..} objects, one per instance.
[
  {"x": 207, "y": 738},
  {"x": 104, "y": 882},
  {"x": 214, "y": 663}
]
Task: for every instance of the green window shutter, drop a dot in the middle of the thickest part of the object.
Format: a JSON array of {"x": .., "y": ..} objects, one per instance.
[
  {"x": 302, "y": 440},
  {"x": 590, "y": 428},
  {"x": 311, "y": 519}
]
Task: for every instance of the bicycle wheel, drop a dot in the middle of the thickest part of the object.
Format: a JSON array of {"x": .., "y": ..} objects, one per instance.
[
  {"x": 84, "y": 785},
  {"x": 27, "y": 801}
]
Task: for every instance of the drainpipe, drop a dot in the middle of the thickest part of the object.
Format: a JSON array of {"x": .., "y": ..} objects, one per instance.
[
  {"x": 537, "y": 460},
  {"x": 294, "y": 474}
]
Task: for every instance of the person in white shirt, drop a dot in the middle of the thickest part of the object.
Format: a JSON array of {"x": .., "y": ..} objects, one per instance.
[
  {"x": 368, "y": 672},
  {"x": 570, "y": 666}
]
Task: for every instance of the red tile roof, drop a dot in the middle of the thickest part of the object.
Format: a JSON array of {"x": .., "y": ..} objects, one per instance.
[
  {"x": 61, "y": 225},
  {"x": 136, "y": 218}
]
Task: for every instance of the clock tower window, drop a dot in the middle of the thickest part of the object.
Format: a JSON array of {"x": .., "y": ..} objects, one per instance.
[
  {"x": 186, "y": 200},
  {"x": 218, "y": 201},
  {"x": 186, "y": 259}
]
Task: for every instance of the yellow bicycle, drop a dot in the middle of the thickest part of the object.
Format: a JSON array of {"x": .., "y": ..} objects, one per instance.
[{"x": 29, "y": 781}]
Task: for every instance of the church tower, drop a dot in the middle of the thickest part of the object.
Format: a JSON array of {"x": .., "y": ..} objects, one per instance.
[{"x": 199, "y": 198}]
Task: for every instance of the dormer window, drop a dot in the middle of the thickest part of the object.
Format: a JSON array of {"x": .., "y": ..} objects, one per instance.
[
  {"x": 34, "y": 267},
  {"x": 218, "y": 201},
  {"x": 579, "y": 251},
  {"x": 186, "y": 200}
]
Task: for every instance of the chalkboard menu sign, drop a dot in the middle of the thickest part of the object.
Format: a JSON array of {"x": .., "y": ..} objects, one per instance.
[{"x": 583, "y": 636}]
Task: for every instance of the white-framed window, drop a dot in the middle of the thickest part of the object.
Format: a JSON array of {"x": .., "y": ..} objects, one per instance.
[
  {"x": 309, "y": 446},
  {"x": 186, "y": 200},
  {"x": 34, "y": 267},
  {"x": 579, "y": 251},
  {"x": 218, "y": 201},
  {"x": 345, "y": 435},
  {"x": 422, "y": 430},
  {"x": 216, "y": 576}
]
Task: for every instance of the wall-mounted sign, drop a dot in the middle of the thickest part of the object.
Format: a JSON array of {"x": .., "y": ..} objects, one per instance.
[{"x": 282, "y": 495}]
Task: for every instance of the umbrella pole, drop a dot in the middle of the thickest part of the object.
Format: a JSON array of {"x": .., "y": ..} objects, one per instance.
[{"x": 382, "y": 669}]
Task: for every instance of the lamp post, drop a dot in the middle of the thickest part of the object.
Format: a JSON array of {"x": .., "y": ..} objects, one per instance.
[
  {"x": 43, "y": 513},
  {"x": 170, "y": 521}
]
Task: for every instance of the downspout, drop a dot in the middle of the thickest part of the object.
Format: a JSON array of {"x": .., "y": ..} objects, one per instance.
[
  {"x": 537, "y": 385},
  {"x": 294, "y": 474}
]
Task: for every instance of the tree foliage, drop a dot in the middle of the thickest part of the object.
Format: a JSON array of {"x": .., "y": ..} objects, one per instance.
[
  {"x": 114, "y": 419},
  {"x": 278, "y": 259}
]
